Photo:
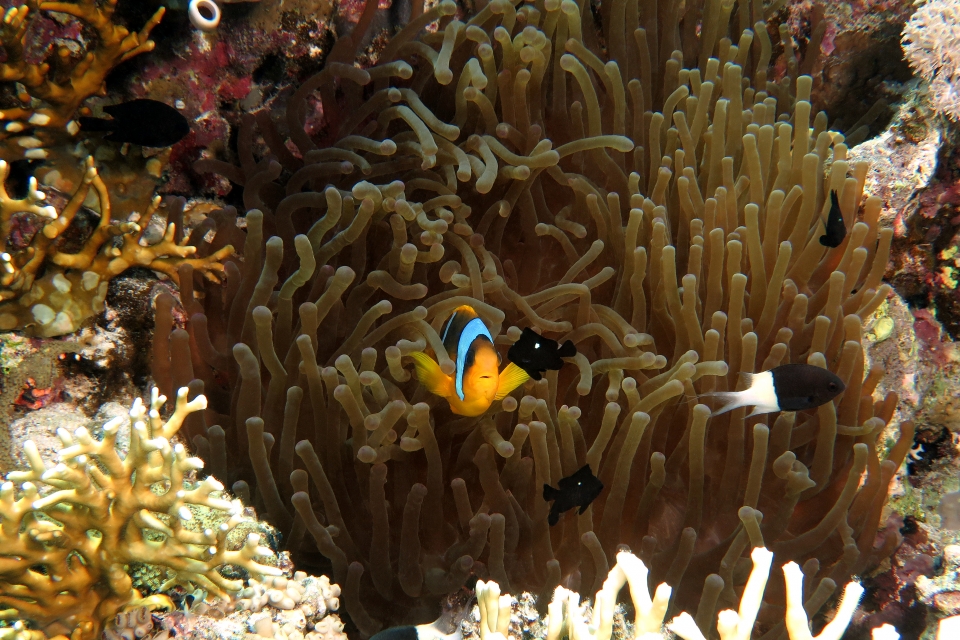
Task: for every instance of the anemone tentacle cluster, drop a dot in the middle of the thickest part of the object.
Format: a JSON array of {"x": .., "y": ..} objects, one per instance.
[{"x": 646, "y": 190}]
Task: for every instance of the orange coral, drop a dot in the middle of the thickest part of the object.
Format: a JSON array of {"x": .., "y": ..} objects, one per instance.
[
  {"x": 61, "y": 84},
  {"x": 73, "y": 286}
]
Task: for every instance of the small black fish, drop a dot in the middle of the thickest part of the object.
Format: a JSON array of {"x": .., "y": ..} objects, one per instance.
[
  {"x": 789, "y": 387},
  {"x": 578, "y": 490},
  {"x": 406, "y": 632},
  {"x": 535, "y": 354},
  {"x": 144, "y": 122},
  {"x": 836, "y": 230}
]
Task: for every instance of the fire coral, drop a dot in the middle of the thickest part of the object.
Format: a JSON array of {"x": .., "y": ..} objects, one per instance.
[
  {"x": 64, "y": 551},
  {"x": 52, "y": 89},
  {"x": 46, "y": 292}
]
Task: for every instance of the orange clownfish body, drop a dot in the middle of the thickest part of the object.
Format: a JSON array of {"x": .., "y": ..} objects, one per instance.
[{"x": 476, "y": 382}]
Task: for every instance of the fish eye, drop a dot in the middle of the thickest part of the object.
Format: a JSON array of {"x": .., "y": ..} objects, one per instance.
[
  {"x": 484, "y": 377},
  {"x": 832, "y": 386},
  {"x": 810, "y": 399}
]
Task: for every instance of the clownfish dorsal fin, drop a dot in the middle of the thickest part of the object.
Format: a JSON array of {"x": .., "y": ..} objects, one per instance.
[
  {"x": 430, "y": 376},
  {"x": 510, "y": 378}
]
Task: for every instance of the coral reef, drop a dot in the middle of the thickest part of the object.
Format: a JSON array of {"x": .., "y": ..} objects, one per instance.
[
  {"x": 931, "y": 40},
  {"x": 70, "y": 529},
  {"x": 53, "y": 87},
  {"x": 852, "y": 50},
  {"x": 46, "y": 290},
  {"x": 566, "y": 617},
  {"x": 293, "y": 608},
  {"x": 488, "y": 163}
]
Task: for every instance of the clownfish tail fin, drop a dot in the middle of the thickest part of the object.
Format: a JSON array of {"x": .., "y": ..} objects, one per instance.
[
  {"x": 510, "y": 378},
  {"x": 430, "y": 375}
]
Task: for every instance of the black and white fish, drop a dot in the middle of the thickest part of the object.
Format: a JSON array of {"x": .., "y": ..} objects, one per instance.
[
  {"x": 454, "y": 607},
  {"x": 577, "y": 490},
  {"x": 789, "y": 387},
  {"x": 144, "y": 122},
  {"x": 836, "y": 230},
  {"x": 535, "y": 354}
]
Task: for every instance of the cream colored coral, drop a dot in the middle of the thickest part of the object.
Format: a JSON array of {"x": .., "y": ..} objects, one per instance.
[
  {"x": 83, "y": 520},
  {"x": 931, "y": 42},
  {"x": 313, "y": 596},
  {"x": 566, "y": 615},
  {"x": 135, "y": 623}
]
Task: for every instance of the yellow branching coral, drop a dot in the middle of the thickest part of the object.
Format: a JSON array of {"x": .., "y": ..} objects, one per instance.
[
  {"x": 71, "y": 287},
  {"x": 68, "y": 531},
  {"x": 656, "y": 200},
  {"x": 61, "y": 84}
]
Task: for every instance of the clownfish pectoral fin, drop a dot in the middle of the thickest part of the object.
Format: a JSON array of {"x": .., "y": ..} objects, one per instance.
[
  {"x": 430, "y": 375},
  {"x": 510, "y": 378}
]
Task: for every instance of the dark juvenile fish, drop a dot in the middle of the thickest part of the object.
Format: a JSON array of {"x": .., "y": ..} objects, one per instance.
[
  {"x": 836, "y": 230},
  {"x": 578, "y": 490},
  {"x": 535, "y": 354},
  {"x": 789, "y": 387},
  {"x": 144, "y": 122},
  {"x": 406, "y": 632}
]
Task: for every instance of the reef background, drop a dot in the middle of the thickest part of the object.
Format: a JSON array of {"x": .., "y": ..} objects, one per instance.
[{"x": 262, "y": 50}]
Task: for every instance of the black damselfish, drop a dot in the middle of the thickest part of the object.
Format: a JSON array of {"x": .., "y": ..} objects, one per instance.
[
  {"x": 535, "y": 354},
  {"x": 836, "y": 229},
  {"x": 789, "y": 387},
  {"x": 578, "y": 490},
  {"x": 407, "y": 632},
  {"x": 144, "y": 122}
]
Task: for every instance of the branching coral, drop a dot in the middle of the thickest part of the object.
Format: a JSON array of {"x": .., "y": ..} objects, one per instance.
[
  {"x": 53, "y": 89},
  {"x": 566, "y": 614},
  {"x": 46, "y": 291},
  {"x": 931, "y": 42},
  {"x": 68, "y": 531},
  {"x": 489, "y": 164}
]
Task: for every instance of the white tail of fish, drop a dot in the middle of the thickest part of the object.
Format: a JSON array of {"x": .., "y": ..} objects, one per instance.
[{"x": 760, "y": 394}]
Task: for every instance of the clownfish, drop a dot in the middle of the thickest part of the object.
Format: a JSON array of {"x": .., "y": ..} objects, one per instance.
[
  {"x": 789, "y": 387},
  {"x": 475, "y": 382}
]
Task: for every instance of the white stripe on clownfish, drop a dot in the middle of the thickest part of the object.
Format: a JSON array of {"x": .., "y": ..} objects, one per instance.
[{"x": 473, "y": 330}]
